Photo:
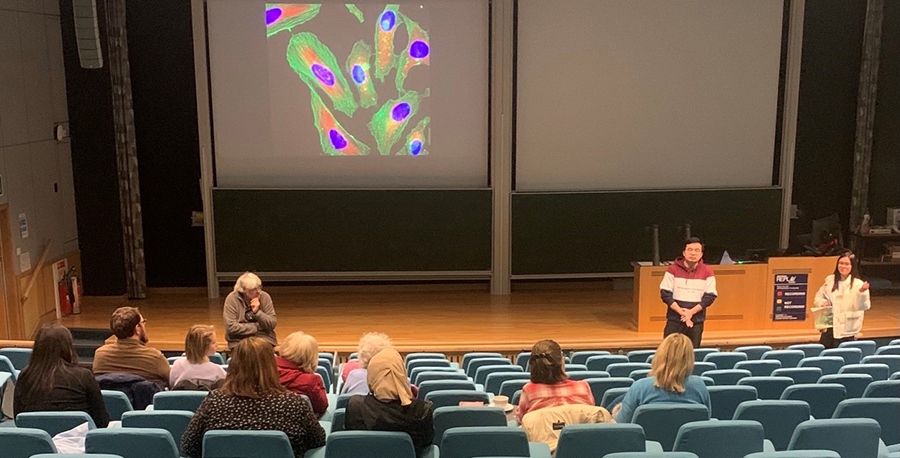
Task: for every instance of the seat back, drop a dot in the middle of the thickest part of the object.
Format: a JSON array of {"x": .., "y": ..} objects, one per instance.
[
  {"x": 601, "y": 362},
  {"x": 482, "y": 373},
  {"x": 509, "y": 387},
  {"x": 727, "y": 376},
  {"x": 849, "y": 437},
  {"x": 787, "y": 358},
  {"x": 822, "y": 398},
  {"x": 889, "y": 350},
  {"x": 581, "y": 357},
  {"x": 760, "y": 367},
  {"x": 337, "y": 419},
  {"x": 701, "y": 367},
  {"x": 25, "y": 442},
  {"x": 53, "y": 422},
  {"x": 599, "y": 386},
  {"x": 19, "y": 357},
  {"x": 767, "y": 387},
  {"x": 754, "y": 352},
  {"x": 132, "y": 442},
  {"x": 855, "y": 384},
  {"x": 495, "y": 380},
  {"x": 75, "y": 455},
  {"x": 725, "y": 359},
  {"x": 796, "y": 454},
  {"x": 700, "y": 353},
  {"x": 778, "y": 418},
  {"x": 828, "y": 364},
  {"x": 885, "y": 411},
  {"x": 470, "y": 442},
  {"x": 850, "y": 355},
  {"x": 883, "y": 389},
  {"x": 809, "y": 350},
  {"x": 344, "y": 399},
  {"x": 480, "y": 362},
  {"x": 584, "y": 375},
  {"x": 422, "y": 355},
  {"x": 800, "y": 374},
  {"x": 640, "y": 356},
  {"x": 117, "y": 403},
  {"x": 598, "y": 440},
  {"x": 866, "y": 346},
  {"x": 443, "y": 385},
  {"x": 662, "y": 421},
  {"x": 414, "y": 373},
  {"x": 326, "y": 377},
  {"x": 445, "y": 398},
  {"x": 173, "y": 421},
  {"x": 720, "y": 439},
  {"x": 246, "y": 444},
  {"x": 652, "y": 455},
  {"x": 523, "y": 358},
  {"x": 434, "y": 375},
  {"x": 179, "y": 400},
  {"x": 891, "y": 361},
  {"x": 724, "y": 400},
  {"x": 624, "y": 369},
  {"x": 427, "y": 363},
  {"x": 876, "y": 370},
  {"x": 7, "y": 366},
  {"x": 639, "y": 374},
  {"x": 468, "y": 357},
  {"x": 611, "y": 396},
  {"x": 454, "y": 417},
  {"x": 573, "y": 368}
]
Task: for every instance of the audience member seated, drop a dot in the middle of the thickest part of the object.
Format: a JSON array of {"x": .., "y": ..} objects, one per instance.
[
  {"x": 549, "y": 386},
  {"x": 297, "y": 369},
  {"x": 369, "y": 345},
  {"x": 52, "y": 381},
  {"x": 130, "y": 354},
  {"x": 195, "y": 371},
  {"x": 252, "y": 399},
  {"x": 669, "y": 380},
  {"x": 390, "y": 406},
  {"x": 249, "y": 312}
]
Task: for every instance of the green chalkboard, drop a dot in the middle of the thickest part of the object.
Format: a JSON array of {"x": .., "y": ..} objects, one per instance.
[
  {"x": 602, "y": 232},
  {"x": 352, "y": 230}
]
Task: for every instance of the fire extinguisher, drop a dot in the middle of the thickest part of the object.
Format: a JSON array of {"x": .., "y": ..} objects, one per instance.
[{"x": 65, "y": 307}]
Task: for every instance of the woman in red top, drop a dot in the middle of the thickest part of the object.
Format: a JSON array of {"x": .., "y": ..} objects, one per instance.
[
  {"x": 297, "y": 369},
  {"x": 550, "y": 386}
]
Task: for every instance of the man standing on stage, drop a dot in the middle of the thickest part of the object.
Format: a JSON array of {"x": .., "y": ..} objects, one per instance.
[{"x": 688, "y": 288}]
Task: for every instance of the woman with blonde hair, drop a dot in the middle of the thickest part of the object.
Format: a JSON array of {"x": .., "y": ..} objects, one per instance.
[
  {"x": 390, "y": 406},
  {"x": 196, "y": 369},
  {"x": 669, "y": 380},
  {"x": 549, "y": 386},
  {"x": 370, "y": 344},
  {"x": 253, "y": 399},
  {"x": 297, "y": 369}
]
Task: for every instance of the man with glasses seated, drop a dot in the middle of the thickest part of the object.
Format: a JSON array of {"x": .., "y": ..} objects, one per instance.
[
  {"x": 130, "y": 354},
  {"x": 688, "y": 288}
]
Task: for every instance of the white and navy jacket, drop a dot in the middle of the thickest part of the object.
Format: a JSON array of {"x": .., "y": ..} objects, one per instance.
[{"x": 688, "y": 288}]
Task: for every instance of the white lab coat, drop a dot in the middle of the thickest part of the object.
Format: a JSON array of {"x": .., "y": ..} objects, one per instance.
[{"x": 848, "y": 305}]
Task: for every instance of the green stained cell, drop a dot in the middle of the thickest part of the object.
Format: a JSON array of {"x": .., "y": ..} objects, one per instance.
[
  {"x": 360, "y": 70},
  {"x": 318, "y": 68},
  {"x": 390, "y": 120},
  {"x": 417, "y": 52},
  {"x": 385, "y": 27},
  {"x": 355, "y": 11},
  {"x": 285, "y": 16},
  {"x": 417, "y": 140},
  {"x": 335, "y": 140}
]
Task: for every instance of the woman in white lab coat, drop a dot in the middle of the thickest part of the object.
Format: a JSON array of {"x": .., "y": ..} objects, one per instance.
[{"x": 848, "y": 296}]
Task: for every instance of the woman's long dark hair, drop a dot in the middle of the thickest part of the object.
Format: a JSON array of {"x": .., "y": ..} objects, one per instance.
[
  {"x": 854, "y": 269},
  {"x": 53, "y": 353}
]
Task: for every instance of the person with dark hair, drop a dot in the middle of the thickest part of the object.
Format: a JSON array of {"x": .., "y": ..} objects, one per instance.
[
  {"x": 252, "y": 398},
  {"x": 130, "y": 354},
  {"x": 848, "y": 297},
  {"x": 52, "y": 381},
  {"x": 549, "y": 386},
  {"x": 688, "y": 288}
]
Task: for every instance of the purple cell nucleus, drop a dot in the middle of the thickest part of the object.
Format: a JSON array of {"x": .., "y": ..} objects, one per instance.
[
  {"x": 323, "y": 74},
  {"x": 415, "y": 147},
  {"x": 400, "y": 111},
  {"x": 273, "y": 15},
  {"x": 337, "y": 140},
  {"x": 388, "y": 20},
  {"x": 418, "y": 49},
  {"x": 359, "y": 74}
]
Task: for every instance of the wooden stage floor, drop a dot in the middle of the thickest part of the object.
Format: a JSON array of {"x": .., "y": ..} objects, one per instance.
[{"x": 449, "y": 318}]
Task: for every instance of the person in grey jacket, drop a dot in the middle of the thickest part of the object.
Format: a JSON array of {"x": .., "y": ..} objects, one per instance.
[{"x": 249, "y": 312}]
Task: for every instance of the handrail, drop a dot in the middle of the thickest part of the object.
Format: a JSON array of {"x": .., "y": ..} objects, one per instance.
[{"x": 37, "y": 268}]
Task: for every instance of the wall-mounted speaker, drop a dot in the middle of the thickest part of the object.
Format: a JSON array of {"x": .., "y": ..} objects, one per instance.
[{"x": 87, "y": 33}]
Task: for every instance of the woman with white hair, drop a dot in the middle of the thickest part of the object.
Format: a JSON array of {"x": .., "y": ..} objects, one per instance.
[
  {"x": 249, "y": 312},
  {"x": 369, "y": 345}
]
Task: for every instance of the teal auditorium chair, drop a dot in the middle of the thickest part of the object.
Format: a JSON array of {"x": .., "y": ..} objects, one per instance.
[
  {"x": 725, "y": 359},
  {"x": 651, "y": 455},
  {"x": 343, "y": 399},
  {"x": 443, "y": 385},
  {"x": 19, "y": 357},
  {"x": 173, "y": 421},
  {"x": 855, "y": 384},
  {"x": 612, "y": 397},
  {"x": 707, "y": 381},
  {"x": 640, "y": 356},
  {"x": 852, "y": 438},
  {"x": 75, "y": 455},
  {"x": 810, "y": 349},
  {"x": 883, "y": 389},
  {"x": 337, "y": 419},
  {"x": 509, "y": 387},
  {"x": 822, "y": 398},
  {"x": 767, "y": 387},
  {"x": 662, "y": 421},
  {"x": 468, "y": 357},
  {"x": 800, "y": 374},
  {"x": 601, "y": 362},
  {"x": 754, "y": 352},
  {"x": 179, "y": 400},
  {"x": 889, "y": 350},
  {"x": 410, "y": 366},
  {"x": 470, "y": 442},
  {"x": 700, "y": 368},
  {"x": 891, "y": 361},
  {"x": 760, "y": 367},
  {"x": 787, "y": 358},
  {"x": 414, "y": 374},
  {"x": 639, "y": 374},
  {"x": 481, "y": 374},
  {"x": 724, "y": 400},
  {"x": 624, "y": 369},
  {"x": 866, "y": 346},
  {"x": 700, "y": 353},
  {"x": 584, "y": 375},
  {"x": 778, "y": 418},
  {"x": 571, "y": 367},
  {"x": 728, "y": 376},
  {"x": 116, "y": 403},
  {"x": 246, "y": 444},
  {"x": 581, "y": 357},
  {"x": 434, "y": 375},
  {"x": 454, "y": 397},
  {"x": 455, "y": 417},
  {"x": 516, "y": 397},
  {"x": 796, "y": 454},
  {"x": 132, "y": 442},
  {"x": 850, "y": 355},
  {"x": 479, "y": 362},
  {"x": 598, "y": 440},
  {"x": 599, "y": 386},
  {"x": 877, "y": 371},
  {"x": 7, "y": 366},
  {"x": 720, "y": 439},
  {"x": 523, "y": 358},
  {"x": 828, "y": 364},
  {"x": 25, "y": 442},
  {"x": 420, "y": 355},
  {"x": 495, "y": 380},
  {"x": 53, "y": 422},
  {"x": 885, "y": 411},
  {"x": 326, "y": 378}
]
